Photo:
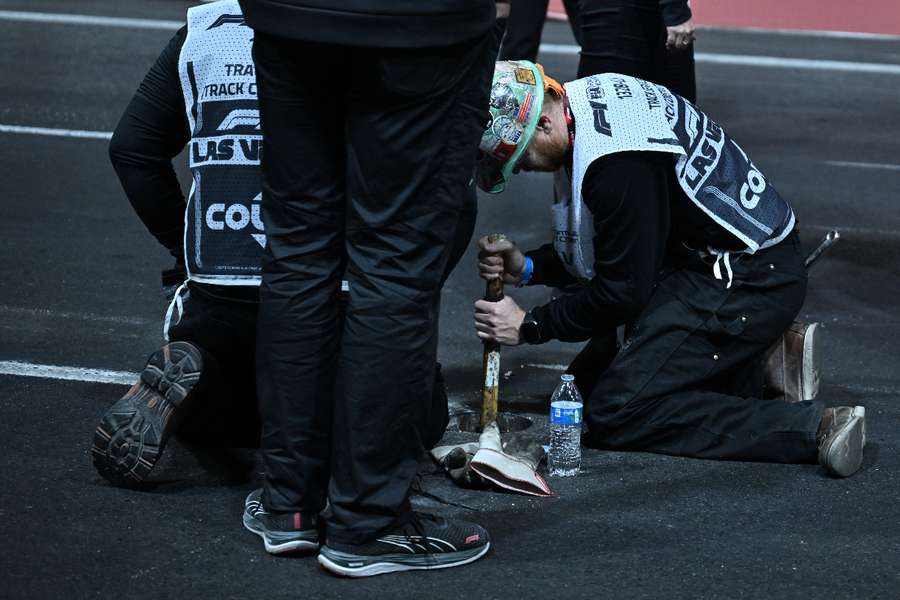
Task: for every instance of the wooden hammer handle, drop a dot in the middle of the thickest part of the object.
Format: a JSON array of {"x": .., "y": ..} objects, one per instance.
[{"x": 490, "y": 393}]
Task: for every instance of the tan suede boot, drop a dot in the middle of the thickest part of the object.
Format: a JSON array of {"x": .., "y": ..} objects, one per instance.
[{"x": 792, "y": 363}]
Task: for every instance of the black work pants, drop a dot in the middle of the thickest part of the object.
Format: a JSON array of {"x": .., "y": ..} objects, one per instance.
[
  {"x": 366, "y": 157},
  {"x": 526, "y": 24},
  {"x": 688, "y": 380},
  {"x": 224, "y": 330},
  {"x": 629, "y": 37}
]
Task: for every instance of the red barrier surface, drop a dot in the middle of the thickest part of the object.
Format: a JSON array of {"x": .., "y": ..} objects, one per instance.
[{"x": 861, "y": 16}]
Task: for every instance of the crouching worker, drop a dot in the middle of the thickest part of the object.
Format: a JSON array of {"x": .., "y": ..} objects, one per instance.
[
  {"x": 201, "y": 93},
  {"x": 665, "y": 226}
]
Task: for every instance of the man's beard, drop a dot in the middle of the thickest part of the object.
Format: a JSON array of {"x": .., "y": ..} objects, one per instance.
[{"x": 551, "y": 155}]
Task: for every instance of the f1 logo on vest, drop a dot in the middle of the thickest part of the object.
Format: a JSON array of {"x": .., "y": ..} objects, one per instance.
[
  {"x": 227, "y": 20},
  {"x": 237, "y": 217},
  {"x": 241, "y": 117},
  {"x": 223, "y": 147}
]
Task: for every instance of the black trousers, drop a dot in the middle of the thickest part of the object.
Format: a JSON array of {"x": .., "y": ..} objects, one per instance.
[
  {"x": 224, "y": 330},
  {"x": 688, "y": 378},
  {"x": 629, "y": 37},
  {"x": 525, "y": 25},
  {"x": 366, "y": 157}
]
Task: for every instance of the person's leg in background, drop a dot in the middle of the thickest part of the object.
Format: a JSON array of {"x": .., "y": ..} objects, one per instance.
[
  {"x": 525, "y": 26},
  {"x": 224, "y": 329},
  {"x": 303, "y": 206},
  {"x": 573, "y": 12},
  {"x": 225, "y": 416},
  {"x": 523, "y": 30},
  {"x": 622, "y": 36},
  {"x": 680, "y": 73},
  {"x": 425, "y": 110}
]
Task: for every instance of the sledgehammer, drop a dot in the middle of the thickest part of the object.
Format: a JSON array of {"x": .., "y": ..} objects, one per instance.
[{"x": 490, "y": 393}]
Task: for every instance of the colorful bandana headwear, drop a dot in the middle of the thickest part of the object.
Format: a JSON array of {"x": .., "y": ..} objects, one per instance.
[{"x": 517, "y": 97}]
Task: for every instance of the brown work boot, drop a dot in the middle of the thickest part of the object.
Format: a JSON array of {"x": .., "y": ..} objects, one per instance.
[
  {"x": 841, "y": 439},
  {"x": 133, "y": 433},
  {"x": 792, "y": 363}
]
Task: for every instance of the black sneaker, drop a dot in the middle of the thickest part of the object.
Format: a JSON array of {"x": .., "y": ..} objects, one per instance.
[
  {"x": 426, "y": 542},
  {"x": 132, "y": 434},
  {"x": 281, "y": 532}
]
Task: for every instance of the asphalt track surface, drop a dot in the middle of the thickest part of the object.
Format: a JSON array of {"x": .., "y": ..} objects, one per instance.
[{"x": 78, "y": 288}]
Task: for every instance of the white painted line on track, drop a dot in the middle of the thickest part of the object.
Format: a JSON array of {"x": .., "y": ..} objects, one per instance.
[
  {"x": 68, "y": 19},
  {"x": 863, "y": 165},
  {"x": 844, "y": 35},
  {"x": 843, "y": 230},
  {"x": 751, "y": 60},
  {"x": 559, "y": 49},
  {"x": 546, "y": 366},
  {"x": 53, "y": 132},
  {"x": 797, "y": 63},
  {"x": 24, "y": 369},
  {"x": 53, "y": 314}
]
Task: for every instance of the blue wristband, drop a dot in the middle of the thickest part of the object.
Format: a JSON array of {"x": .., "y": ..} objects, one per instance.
[{"x": 527, "y": 272}]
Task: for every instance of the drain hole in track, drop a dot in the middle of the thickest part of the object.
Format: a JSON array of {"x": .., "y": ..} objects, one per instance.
[{"x": 508, "y": 422}]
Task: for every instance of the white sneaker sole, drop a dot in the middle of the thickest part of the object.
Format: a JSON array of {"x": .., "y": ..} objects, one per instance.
[
  {"x": 844, "y": 454},
  {"x": 810, "y": 363},
  {"x": 390, "y": 567},
  {"x": 283, "y": 547}
]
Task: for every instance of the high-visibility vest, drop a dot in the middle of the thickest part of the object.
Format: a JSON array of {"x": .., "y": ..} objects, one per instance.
[
  {"x": 224, "y": 234},
  {"x": 617, "y": 113}
]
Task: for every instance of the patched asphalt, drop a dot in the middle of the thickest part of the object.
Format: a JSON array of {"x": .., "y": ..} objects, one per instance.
[{"x": 79, "y": 287}]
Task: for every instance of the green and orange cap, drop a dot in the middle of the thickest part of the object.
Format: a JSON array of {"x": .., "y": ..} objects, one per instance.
[{"x": 517, "y": 98}]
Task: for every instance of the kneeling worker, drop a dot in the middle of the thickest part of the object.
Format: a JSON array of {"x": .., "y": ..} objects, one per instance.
[{"x": 665, "y": 226}]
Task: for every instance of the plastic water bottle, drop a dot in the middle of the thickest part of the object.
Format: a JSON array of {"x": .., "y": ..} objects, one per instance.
[{"x": 565, "y": 428}]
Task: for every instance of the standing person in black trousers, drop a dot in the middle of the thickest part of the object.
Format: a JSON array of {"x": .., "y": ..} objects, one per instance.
[
  {"x": 526, "y": 24},
  {"x": 201, "y": 386},
  {"x": 372, "y": 111},
  {"x": 680, "y": 76},
  {"x": 649, "y": 39}
]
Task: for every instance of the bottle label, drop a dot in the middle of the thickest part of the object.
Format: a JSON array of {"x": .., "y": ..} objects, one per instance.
[{"x": 565, "y": 413}]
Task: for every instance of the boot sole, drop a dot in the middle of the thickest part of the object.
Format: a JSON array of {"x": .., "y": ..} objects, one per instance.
[
  {"x": 132, "y": 434},
  {"x": 811, "y": 355},
  {"x": 844, "y": 453},
  {"x": 381, "y": 565}
]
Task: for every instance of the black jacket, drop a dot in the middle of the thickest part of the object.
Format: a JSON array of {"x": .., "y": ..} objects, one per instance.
[
  {"x": 675, "y": 12},
  {"x": 642, "y": 220},
  {"x": 374, "y": 23}
]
